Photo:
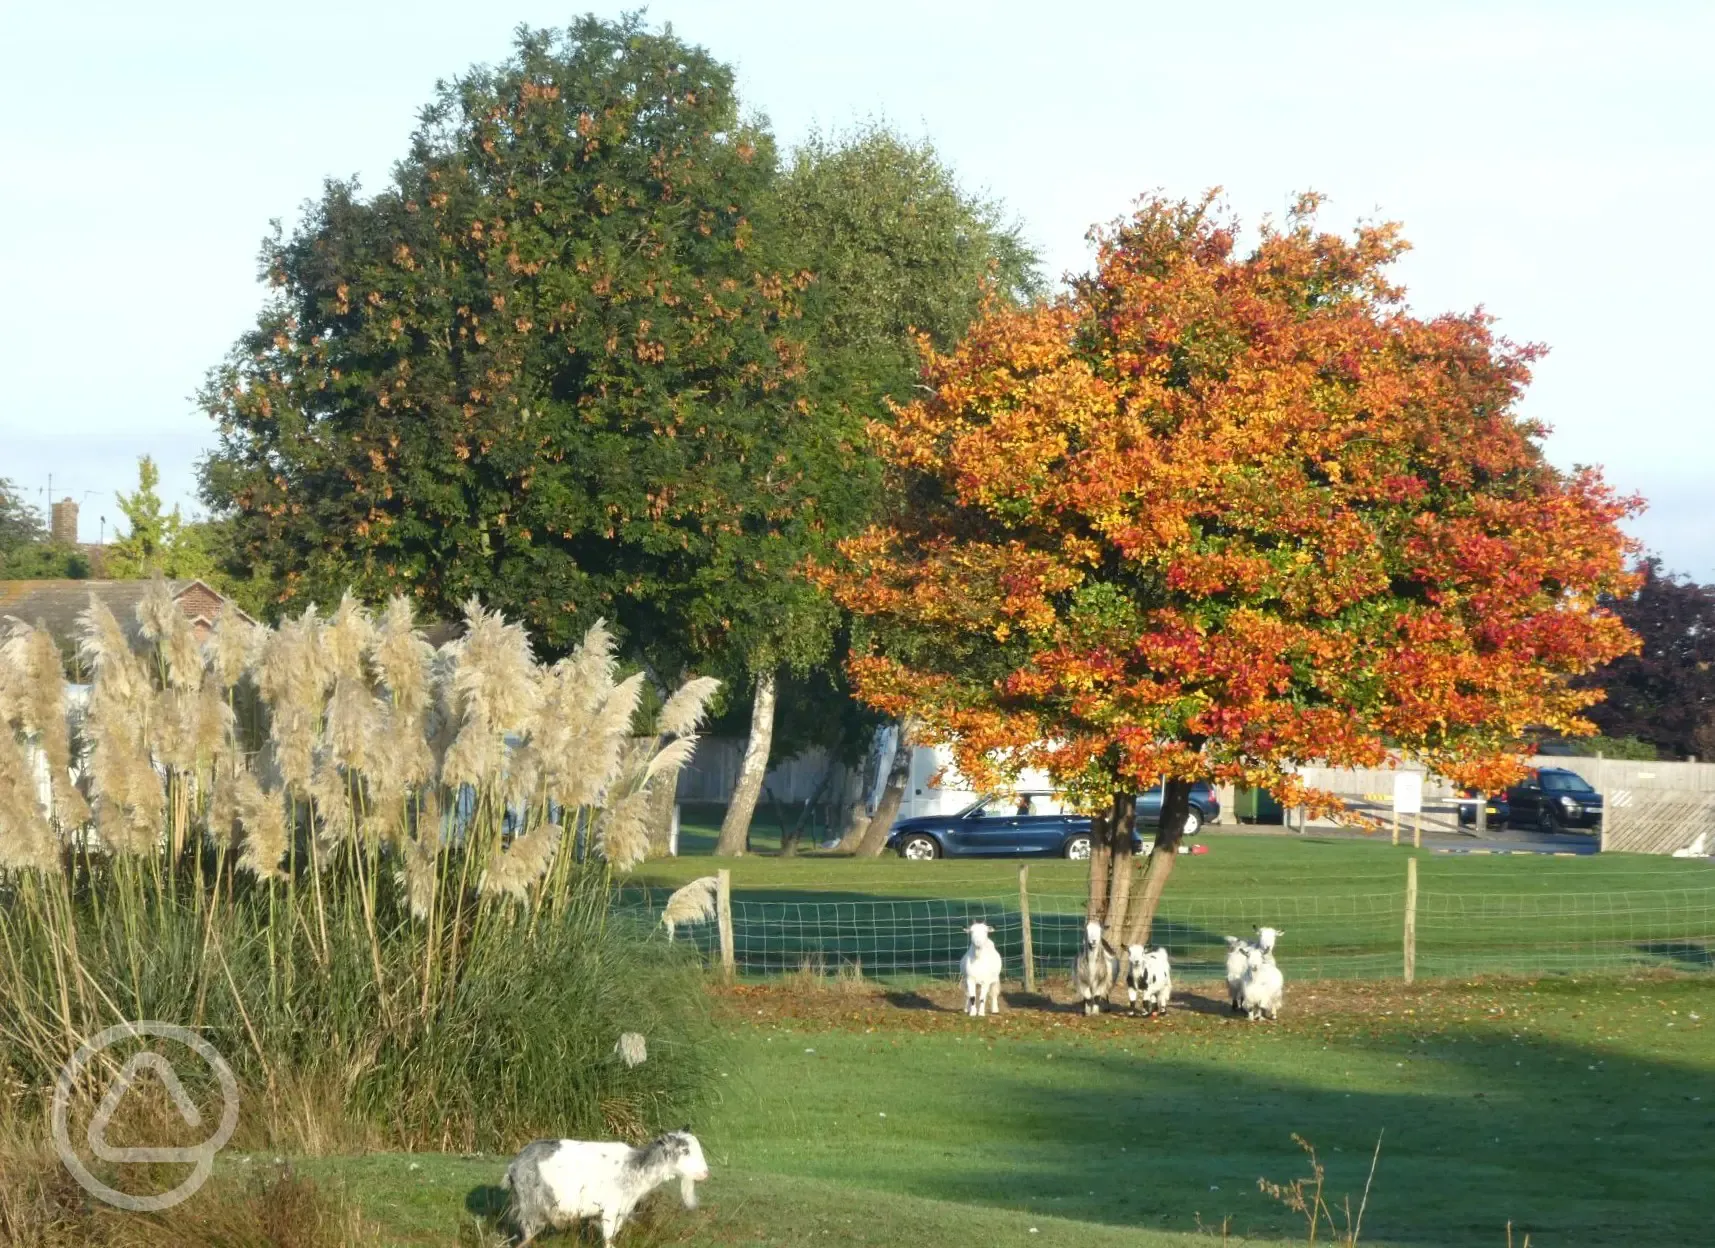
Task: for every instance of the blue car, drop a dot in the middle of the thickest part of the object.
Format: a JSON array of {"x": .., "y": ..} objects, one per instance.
[{"x": 1014, "y": 825}]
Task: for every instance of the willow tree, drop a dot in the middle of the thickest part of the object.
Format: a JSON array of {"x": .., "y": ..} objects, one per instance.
[{"x": 1216, "y": 513}]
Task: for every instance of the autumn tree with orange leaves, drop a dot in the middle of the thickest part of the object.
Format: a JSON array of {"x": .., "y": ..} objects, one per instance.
[{"x": 1216, "y": 513}]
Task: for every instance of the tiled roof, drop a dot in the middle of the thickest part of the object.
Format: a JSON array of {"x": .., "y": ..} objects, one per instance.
[{"x": 56, "y": 605}]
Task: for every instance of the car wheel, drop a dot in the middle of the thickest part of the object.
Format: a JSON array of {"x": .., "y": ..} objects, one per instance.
[
  {"x": 919, "y": 848},
  {"x": 1193, "y": 823},
  {"x": 1547, "y": 820},
  {"x": 1078, "y": 849}
]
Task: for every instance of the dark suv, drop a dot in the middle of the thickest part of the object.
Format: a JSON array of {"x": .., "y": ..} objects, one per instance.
[{"x": 1554, "y": 799}]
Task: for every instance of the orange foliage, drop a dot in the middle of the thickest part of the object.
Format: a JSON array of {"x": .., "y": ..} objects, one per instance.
[{"x": 1213, "y": 514}]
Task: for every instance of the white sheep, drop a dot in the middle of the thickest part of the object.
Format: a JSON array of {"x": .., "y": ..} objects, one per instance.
[
  {"x": 1148, "y": 975},
  {"x": 555, "y": 1184},
  {"x": 980, "y": 970},
  {"x": 1238, "y": 959},
  {"x": 1095, "y": 969},
  {"x": 1263, "y": 986}
]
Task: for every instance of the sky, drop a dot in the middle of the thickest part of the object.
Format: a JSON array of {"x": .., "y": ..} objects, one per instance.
[{"x": 1553, "y": 163}]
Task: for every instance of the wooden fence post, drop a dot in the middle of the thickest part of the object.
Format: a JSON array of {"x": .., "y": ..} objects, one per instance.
[
  {"x": 723, "y": 912},
  {"x": 1396, "y": 825},
  {"x": 1410, "y": 919},
  {"x": 1417, "y": 833},
  {"x": 1024, "y": 920}
]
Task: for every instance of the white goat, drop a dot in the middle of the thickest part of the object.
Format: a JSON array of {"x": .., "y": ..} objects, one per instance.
[
  {"x": 1263, "y": 985},
  {"x": 555, "y": 1184},
  {"x": 1238, "y": 959},
  {"x": 979, "y": 970},
  {"x": 1094, "y": 971},
  {"x": 1266, "y": 936},
  {"x": 1148, "y": 975}
]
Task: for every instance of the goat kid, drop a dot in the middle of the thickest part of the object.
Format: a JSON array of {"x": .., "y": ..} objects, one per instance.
[
  {"x": 555, "y": 1184},
  {"x": 979, "y": 971},
  {"x": 1095, "y": 970},
  {"x": 1238, "y": 959},
  {"x": 1263, "y": 986},
  {"x": 1149, "y": 977}
]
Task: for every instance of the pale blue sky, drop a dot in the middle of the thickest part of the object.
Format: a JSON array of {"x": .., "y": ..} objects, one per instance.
[{"x": 1554, "y": 162}]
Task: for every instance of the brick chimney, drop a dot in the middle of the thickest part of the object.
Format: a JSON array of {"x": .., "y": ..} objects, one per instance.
[{"x": 64, "y": 527}]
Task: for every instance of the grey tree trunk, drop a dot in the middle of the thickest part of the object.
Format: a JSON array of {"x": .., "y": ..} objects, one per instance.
[
  {"x": 735, "y": 828},
  {"x": 874, "y": 838}
]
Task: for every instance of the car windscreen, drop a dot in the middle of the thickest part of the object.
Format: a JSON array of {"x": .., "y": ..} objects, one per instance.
[{"x": 1565, "y": 783}]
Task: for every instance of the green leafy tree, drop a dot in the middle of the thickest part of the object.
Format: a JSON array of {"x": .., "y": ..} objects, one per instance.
[
  {"x": 158, "y": 543},
  {"x": 558, "y": 363},
  {"x": 902, "y": 255},
  {"x": 20, "y": 523}
]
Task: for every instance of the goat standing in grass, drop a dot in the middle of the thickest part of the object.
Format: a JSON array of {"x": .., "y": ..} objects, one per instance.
[
  {"x": 555, "y": 1184},
  {"x": 1094, "y": 971},
  {"x": 1263, "y": 986},
  {"x": 1238, "y": 961},
  {"x": 979, "y": 971},
  {"x": 1149, "y": 978}
]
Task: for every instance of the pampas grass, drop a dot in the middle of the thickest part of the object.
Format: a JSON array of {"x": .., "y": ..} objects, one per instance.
[{"x": 328, "y": 842}]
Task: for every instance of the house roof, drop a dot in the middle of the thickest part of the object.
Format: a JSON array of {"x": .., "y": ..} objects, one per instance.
[{"x": 56, "y": 605}]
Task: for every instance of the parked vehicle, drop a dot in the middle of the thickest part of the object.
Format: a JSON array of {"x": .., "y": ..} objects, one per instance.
[
  {"x": 1031, "y": 823},
  {"x": 1554, "y": 799},
  {"x": 1205, "y": 808},
  {"x": 1500, "y": 811}
]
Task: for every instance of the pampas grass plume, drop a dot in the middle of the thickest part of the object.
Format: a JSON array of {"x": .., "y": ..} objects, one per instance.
[
  {"x": 683, "y": 712},
  {"x": 511, "y": 872},
  {"x": 694, "y": 903},
  {"x": 264, "y": 820}
]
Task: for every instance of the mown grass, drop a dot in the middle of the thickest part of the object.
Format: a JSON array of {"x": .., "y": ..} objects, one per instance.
[{"x": 1576, "y": 1108}]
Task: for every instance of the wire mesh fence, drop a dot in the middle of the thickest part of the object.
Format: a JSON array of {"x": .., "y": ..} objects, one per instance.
[{"x": 1353, "y": 935}]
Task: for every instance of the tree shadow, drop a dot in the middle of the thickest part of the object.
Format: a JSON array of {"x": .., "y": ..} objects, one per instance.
[{"x": 1471, "y": 1140}]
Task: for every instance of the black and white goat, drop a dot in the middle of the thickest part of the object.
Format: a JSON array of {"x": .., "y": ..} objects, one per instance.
[
  {"x": 1148, "y": 978},
  {"x": 555, "y": 1184}
]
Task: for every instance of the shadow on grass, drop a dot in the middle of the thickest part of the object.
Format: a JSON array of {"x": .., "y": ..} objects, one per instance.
[
  {"x": 1586, "y": 1147},
  {"x": 1686, "y": 953}
]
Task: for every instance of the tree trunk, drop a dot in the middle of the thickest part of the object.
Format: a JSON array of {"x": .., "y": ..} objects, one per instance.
[
  {"x": 874, "y": 838},
  {"x": 1101, "y": 855},
  {"x": 1122, "y": 866},
  {"x": 735, "y": 828},
  {"x": 789, "y": 845},
  {"x": 1175, "y": 807}
]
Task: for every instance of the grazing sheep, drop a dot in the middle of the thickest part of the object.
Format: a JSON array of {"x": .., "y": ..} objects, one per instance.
[
  {"x": 1238, "y": 958},
  {"x": 979, "y": 970},
  {"x": 558, "y": 1183},
  {"x": 1263, "y": 985},
  {"x": 1149, "y": 975},
  {"x": 1095, "y": 970}
]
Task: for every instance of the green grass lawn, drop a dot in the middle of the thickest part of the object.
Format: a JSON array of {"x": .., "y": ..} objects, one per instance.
[
  {"x": 1340, "y": 900},
  {"x": 1580, "y": 1109}
]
